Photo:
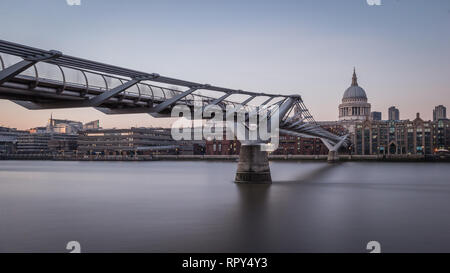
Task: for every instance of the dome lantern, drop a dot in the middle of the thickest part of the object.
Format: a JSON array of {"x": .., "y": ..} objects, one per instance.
[{"x": 354, "y": 78}]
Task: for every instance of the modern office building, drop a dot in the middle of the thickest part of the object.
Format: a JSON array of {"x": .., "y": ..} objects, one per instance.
[
  {"x": 46, "y": 143},
  {"x": 375, "y": 116},
  {"x": 393, "y": 113},
  {"x": 92, "y": 125},
  {"x": 63, "y": 144},
  {"x": 133, "y": 141},
  {"x": 34, "y": 143},
  {"x": 8, "y": 139},
  {"x": 63, "y": 126},
  {"x": 38, "y": 130},
  {"x": 439, "y": 112}
]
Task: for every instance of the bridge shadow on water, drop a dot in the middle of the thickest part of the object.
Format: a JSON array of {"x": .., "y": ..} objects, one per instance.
[
  {"x": 311, "y": 175},
  {"x": 258, "y": 207},
  {"x": 253, "y": 214}
]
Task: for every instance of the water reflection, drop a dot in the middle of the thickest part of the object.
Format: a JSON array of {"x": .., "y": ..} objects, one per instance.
[
  {"x": 253, "y": 215},
  {"x": 196, "y": 207}
]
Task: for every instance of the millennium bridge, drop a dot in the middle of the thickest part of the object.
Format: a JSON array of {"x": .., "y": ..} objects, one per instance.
[{"x": 48, "y": 79}]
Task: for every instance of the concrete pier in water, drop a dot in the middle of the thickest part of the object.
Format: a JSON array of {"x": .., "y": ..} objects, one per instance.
[
  {"x": 332, "y": 156},
  {"x": 253, "y": 166}
]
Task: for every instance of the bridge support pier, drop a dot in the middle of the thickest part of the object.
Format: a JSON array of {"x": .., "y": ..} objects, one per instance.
[
  {"x": 253, "y": 166},
  {"x": 333, "y": 148},
  {"x": 332, "y": 156}
]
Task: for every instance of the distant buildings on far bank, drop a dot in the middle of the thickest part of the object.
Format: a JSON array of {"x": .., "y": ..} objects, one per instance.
[
  {"x": 393, "y": 113},
  {"x": 439, "y": 112},
  {"x": 401, "y": 137},
  {"x": 68, "y": 138},
  {"x": 368, "y": 132},
  {"x": 371, "y": 135},
  {"x": 8, "y": 139},
  {"x": 375, "y": 115},
  {"x": 59, "y": 136},
  {"x": 134, "y": 142}
]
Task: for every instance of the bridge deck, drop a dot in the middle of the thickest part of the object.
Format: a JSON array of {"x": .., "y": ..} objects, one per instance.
[{"x": 42, "y": 79}]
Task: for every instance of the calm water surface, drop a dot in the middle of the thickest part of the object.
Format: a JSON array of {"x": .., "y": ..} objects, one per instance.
[{"x": 195, "y": 207}]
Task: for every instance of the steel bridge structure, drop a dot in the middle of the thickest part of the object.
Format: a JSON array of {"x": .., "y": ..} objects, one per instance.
[{"x": 48, "y": 79}]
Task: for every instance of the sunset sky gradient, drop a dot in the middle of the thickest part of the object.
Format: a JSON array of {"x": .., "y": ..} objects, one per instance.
[{"x": 401, "y": 49}]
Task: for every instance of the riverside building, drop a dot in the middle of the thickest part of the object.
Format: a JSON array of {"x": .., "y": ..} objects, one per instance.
[
  {"x": 402, "y": 137},
  {"x": 134, "y": 141}
]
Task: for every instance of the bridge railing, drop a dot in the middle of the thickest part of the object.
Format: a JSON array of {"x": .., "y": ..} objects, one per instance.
[
  {"x": 90, "y": 74},
  {"x": 98, "y": 78},
  {"x": 87, "y": 79}
]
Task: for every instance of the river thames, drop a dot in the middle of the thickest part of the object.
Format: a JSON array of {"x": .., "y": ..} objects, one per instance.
[{"x": 186, "y": 206}]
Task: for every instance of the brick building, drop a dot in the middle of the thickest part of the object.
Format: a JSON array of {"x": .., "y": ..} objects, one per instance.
[{"x": 401, "y": 137}]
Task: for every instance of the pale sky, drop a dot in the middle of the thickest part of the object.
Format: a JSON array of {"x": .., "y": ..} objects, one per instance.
[{"x": 401, "y": 49}]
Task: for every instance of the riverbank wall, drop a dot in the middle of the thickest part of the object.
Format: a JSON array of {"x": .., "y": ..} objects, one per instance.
[{"x": 389, "y": 158}]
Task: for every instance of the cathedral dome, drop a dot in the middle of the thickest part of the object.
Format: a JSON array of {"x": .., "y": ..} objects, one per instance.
[
  {"x": 354, "y": 104},
  {"x": 354, "y": 91}
]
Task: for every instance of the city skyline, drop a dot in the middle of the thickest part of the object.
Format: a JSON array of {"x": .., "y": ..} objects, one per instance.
[
  {"x": 302, "y": 48},
  {"x": 166, "y": 125}
]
